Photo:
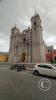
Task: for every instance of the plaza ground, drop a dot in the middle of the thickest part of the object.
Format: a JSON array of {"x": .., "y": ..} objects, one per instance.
[{"x": 23, "y": 85}]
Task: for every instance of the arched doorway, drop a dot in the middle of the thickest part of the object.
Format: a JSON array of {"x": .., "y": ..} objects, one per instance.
[{"x": 23, "y": 57}]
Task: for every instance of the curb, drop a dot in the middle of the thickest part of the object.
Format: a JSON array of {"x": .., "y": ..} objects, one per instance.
[{"x": 30, "y": 69}]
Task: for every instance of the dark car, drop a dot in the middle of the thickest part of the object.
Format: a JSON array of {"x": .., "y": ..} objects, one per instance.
[{"x": 19, "y": 67}]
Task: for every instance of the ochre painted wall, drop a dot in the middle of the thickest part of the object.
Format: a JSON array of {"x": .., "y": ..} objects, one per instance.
[{"x": 3, "y": 58}]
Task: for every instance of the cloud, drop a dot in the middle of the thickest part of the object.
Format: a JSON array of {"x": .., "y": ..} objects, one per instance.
[
  {"x": 20, "y": 11},
  {"x": 4, "y": 45}
]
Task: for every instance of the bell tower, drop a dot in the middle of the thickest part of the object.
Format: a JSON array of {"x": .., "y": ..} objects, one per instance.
[
  {"x": 36, "y": 28},
  {"x": 37, "y": 39},
  {"x": 13, "y": 40}
]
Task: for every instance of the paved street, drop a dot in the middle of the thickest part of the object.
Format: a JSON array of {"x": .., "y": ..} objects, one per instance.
[{"x": 23, "y": 86}]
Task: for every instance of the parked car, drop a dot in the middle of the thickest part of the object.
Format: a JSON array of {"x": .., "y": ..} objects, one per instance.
[
  {"x": 20, "y": 67},
  {"x": 44, "y": 69}
]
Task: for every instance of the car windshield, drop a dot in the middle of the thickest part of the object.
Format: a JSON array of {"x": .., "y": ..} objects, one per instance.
[
  {"x": 48, "y": 66},
  {"x": 51, "y": 66}
]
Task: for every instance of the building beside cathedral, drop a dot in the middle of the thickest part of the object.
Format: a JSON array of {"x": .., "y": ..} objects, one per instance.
[{"x": 28, "y": 46}]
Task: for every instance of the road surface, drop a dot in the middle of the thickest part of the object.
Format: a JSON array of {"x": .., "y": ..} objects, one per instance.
[{"x": 24, "y": 86}]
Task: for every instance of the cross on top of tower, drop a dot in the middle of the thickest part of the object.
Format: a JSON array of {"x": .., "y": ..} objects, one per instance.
[{"x": 35, "y": 12}]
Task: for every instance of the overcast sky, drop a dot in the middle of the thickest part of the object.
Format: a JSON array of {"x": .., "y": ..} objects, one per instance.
[{"x": 20, "y": 12}]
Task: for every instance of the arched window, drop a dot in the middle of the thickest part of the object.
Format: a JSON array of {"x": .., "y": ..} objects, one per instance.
[
  {"x": 23, "y": 40},
  {"x": 35, "y": 23}
]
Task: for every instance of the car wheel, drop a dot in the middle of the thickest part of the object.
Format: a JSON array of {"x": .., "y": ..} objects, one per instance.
[{"x": 36, "y": 72}]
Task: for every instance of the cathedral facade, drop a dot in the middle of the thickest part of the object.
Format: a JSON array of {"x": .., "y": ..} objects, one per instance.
[{"x": 28, "y": 46}]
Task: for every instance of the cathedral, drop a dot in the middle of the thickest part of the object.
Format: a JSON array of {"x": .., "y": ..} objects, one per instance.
[{"x": 27, "y": 46}]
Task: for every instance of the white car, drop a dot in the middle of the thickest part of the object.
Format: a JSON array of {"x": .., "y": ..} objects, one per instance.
[{"x": 44, "y": 69}]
